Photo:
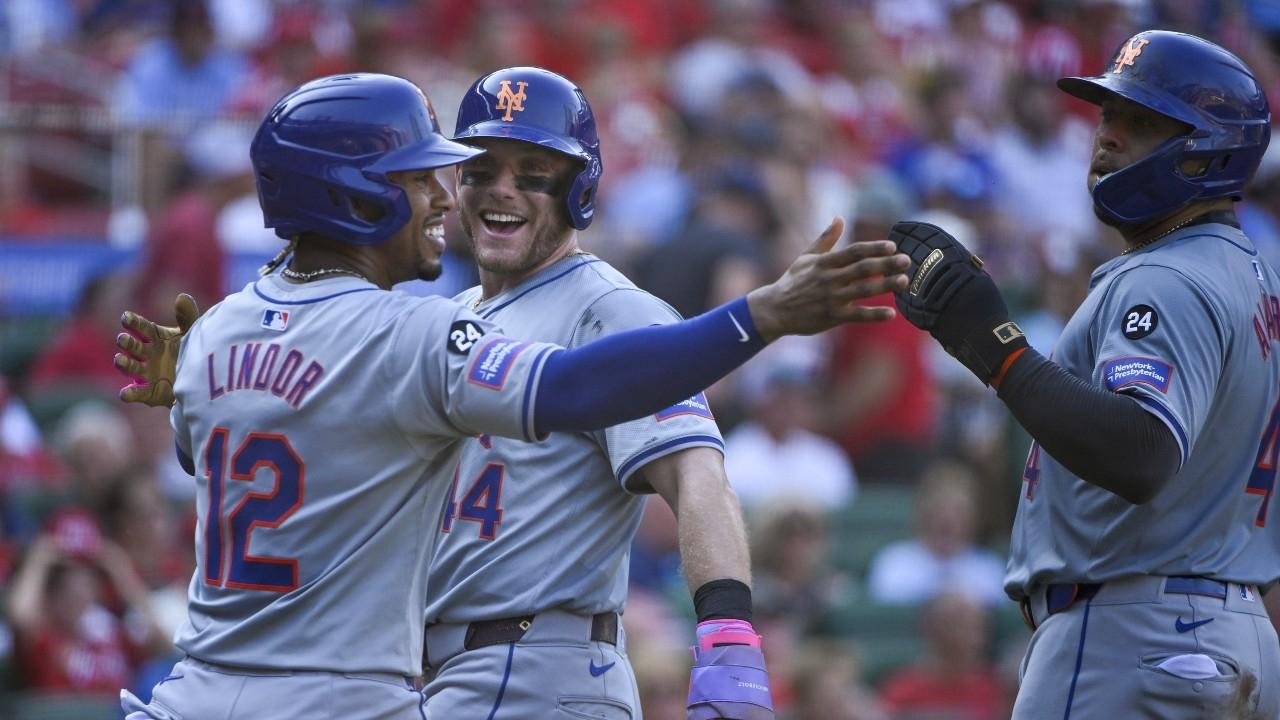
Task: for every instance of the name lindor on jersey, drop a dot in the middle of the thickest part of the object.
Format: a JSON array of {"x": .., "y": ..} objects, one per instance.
[{"x": 253, "y": 367}]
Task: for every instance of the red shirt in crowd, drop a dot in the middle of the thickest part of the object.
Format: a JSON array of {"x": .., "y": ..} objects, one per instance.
[
  {"x": 183, "y": 252},
  {"x": 96, "y": 657},
  {"x": 977, "y": 695},
  {"x": 80, "y": 354},
  {"x": 907, "y": 411}
]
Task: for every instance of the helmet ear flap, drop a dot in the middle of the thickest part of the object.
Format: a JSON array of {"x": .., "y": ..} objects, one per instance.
[
  {"x": 1151, "y": 187},
  {"x": 582, "y": 195}
]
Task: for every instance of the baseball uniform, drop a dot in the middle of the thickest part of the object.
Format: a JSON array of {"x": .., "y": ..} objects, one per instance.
[
  {"x": 540, "y": 533},
  {"x": 316, "y": 416},
  {"x": 1154, "y": 610}
]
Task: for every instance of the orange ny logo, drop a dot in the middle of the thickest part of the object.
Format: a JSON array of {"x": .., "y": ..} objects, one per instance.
[
  {"x": 1129, "y": 54},
  {"x": 510, "y": 101}
]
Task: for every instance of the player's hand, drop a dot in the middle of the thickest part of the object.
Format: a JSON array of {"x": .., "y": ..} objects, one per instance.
[
  {"x": 818, "y": 290},
  {"x": 729, "y": 679},
  {"x": 149, "y": 353},
  {"x": 955, "y": 300}
]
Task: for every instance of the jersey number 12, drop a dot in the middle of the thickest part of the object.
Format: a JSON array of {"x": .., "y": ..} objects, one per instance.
[{"x": 258, "y": 451}]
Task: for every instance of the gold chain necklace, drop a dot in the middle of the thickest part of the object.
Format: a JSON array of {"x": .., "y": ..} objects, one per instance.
[
  {"x": 309, "y": 276},
  {"x": 1164, "y": 234}
]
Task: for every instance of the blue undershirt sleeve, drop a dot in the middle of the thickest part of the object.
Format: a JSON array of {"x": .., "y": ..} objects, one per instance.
[
  {"x": 638, "y": 372},
  {"x": 188, "y": 465}
]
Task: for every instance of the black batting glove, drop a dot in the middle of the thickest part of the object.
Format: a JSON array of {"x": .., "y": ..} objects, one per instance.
[{"x": 952, "y": 298}]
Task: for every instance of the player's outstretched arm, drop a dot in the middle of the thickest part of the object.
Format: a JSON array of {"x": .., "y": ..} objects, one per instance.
[
  {"x": 638, "y": 372},
  {"x": 1102, "y": 437},
  {"x": 148, "y": 353},
  {"x": 816, "y": 293},
  {"x": 717, "y": 565}
]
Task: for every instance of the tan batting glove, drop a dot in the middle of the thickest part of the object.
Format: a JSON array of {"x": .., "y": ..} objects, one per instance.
[{"x": 149, "y": 353}]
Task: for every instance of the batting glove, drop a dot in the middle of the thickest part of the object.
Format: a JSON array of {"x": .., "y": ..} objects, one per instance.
[
  {"x": 729, "y": 679},
  {"x": 952, "y": 298},
  {"x": 149, "y": 353}
]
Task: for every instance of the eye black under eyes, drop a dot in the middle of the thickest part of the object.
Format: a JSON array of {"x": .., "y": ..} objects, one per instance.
[{"x": 545, "y": 184}]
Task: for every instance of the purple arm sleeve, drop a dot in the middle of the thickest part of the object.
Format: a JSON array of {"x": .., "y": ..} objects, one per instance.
[{"x": 635, "y": 373}]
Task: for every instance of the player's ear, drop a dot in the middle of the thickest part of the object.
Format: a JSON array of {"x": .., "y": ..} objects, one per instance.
[
  {"x": 1195, "y": 167},
  {"x": 367, "y": 211}
]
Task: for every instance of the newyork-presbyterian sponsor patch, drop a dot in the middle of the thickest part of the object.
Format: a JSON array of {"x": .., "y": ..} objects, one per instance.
[
  {"x": 1122, "y": 372},
  {"x": 493, "y": 362},
  {"x": 696, "y": 405}
]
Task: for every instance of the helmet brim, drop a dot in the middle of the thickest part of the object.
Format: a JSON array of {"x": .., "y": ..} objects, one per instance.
[
  {"x": 434, "y": 152},
  {"x": 1095, "y": 90},
  {"x": 525, "y": 133}
]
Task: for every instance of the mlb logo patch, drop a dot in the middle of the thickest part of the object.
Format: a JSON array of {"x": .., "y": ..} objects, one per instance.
[
  {"x": 1125, "y": 371},
  {"x": 276, "y": 320},
  {"x": 493, "y": 362},
  {"x": 696, "y": 405}
]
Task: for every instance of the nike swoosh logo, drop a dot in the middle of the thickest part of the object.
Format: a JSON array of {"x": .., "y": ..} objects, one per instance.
[
  {"x": 171, "y": 677},
  {"x": 1188, "y": 627},
  {"x": 742, "y": 334},
  {"x": 598, "y": 670}
]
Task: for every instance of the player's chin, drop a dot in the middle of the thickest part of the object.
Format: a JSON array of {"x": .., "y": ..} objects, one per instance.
[
  {"x": 430, "y": 270},
  {"x": 497, "y": 260},
  {"x": 1104, "y": 218}
]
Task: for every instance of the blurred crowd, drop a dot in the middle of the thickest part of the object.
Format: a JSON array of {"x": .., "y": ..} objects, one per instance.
[{"x": 878, "y": 476}]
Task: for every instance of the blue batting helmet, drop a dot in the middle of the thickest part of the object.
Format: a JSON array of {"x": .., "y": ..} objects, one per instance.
[
  {"x": 1198, "y": 83},
  {"x": 334, "y": 140},
  {"x": 541, "y": 107}
]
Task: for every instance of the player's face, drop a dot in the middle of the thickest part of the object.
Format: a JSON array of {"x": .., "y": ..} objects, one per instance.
[
  {"x": 416, "y": 249},
  {"x": 511, "y": 205},
  {"x": 1127, "y": 133}
]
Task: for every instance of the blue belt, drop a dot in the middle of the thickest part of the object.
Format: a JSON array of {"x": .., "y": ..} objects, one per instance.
[{"x": 1059, "y": 597}]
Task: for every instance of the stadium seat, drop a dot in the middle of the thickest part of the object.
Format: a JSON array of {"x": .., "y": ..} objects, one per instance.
[
  {"x": 48, "y": 406},
  {"x": 21, "y": 339},
  {"x": 887, "y": 636},
  {"x": 1007, "y": 626},
  {"x": 41, "y": 706},
  {"x": 879, "y": 515}
]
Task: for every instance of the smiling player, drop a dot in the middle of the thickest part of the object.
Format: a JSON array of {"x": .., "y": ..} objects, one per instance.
[{"x": 566, "y": 509}]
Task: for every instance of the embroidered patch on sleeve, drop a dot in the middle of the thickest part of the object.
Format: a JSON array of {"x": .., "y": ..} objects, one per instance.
[
  {"x": 493, "y": 362},
  {"x": 696, "y": 405},
  {"x": 1122, "y": 372}
]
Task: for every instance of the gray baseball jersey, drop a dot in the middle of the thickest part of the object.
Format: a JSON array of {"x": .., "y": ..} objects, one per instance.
[
  {"x": 1189, "y": 329},
  {"x": 1170, "y": 621},
  {"x": 318, "y": 417},
  {"x": 560, "y": 513}
]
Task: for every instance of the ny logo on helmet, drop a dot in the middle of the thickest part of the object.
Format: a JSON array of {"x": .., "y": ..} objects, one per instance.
[
  {"x": 1130, "y": 53},
  {"x": 510, "y": 101}
]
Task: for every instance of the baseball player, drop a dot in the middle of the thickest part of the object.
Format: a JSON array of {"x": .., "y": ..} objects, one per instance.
[
  {"x": 563, "y": 512},
  {"x": 318, "y": 411},
  {"x": 1146, "y": 532}
]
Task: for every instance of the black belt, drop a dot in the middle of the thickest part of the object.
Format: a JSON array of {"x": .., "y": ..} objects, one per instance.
[
  {"x": 482, "y": 633},
  {"x": 1059, "y": 597}
]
